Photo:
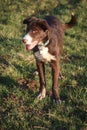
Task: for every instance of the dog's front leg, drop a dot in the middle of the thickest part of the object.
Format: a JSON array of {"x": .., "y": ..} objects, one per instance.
[
  {"x": 55, "y": 75},
  {"x": 41, "y": 71}
]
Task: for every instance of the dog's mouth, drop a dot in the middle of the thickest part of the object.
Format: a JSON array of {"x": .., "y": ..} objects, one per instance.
[
  {"x": 31, "y": 46},
  {"x": 28, "y": 47}
]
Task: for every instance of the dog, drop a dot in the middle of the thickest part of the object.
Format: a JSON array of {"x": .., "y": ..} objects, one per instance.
[{"x": 45, "y": 38}]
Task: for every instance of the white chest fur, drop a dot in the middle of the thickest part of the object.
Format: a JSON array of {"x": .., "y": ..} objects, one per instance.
[{"x": 44, "y": 55}]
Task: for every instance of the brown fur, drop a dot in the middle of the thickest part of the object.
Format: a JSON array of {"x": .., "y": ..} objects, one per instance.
[{"x": 41, "y": 30}]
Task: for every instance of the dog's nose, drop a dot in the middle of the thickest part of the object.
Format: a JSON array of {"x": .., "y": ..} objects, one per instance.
[{"x": 25, "y": 40}]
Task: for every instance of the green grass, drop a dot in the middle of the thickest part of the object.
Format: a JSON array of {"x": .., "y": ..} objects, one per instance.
[{"x": 19, "y": 109}]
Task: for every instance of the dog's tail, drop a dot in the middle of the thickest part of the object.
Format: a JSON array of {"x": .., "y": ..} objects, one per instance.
[{"x": 71, "y": 23}]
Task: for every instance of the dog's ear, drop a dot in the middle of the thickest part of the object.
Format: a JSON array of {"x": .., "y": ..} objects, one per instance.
[
  {"x": 29, "y": 20},
  {"x": 40, "y": 22},
  {"x": 43, "y": 24}
]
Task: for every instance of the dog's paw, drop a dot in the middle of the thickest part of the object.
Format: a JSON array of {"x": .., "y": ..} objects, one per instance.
[
  {"x": 42, "y": 94},
  {"x": 57, "y": 101},
  {"x": 60, "y": 76}
]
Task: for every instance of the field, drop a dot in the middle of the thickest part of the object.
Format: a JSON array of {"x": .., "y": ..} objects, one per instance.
[{"x": 19, "y": 108}]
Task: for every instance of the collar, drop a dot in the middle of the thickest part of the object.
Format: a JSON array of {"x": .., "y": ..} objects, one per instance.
[
  {"x": 40, "y": 45},
  {"x": 46, "y": 43}
]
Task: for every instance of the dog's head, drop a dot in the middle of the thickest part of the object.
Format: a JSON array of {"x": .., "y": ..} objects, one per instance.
[{"x": 36, "y": 32}]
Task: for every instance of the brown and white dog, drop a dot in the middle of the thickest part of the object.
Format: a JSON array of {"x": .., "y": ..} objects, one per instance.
[{"x": 45, "y": 38}]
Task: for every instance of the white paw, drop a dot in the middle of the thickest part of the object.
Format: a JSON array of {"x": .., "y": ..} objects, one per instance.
[{"x": 42, "y": 95}]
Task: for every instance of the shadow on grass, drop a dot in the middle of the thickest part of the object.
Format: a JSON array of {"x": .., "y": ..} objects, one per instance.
[
  {"x": 74, "y": 3},
  {"x": 59, "y": 125},
  {"x": 4, "y": 60},
  {"x": 27, "y": 70},
  {"x": 62, "y": 7},
  {"x": 55, "y": 125},
  {"x": 7, "y": 81}
]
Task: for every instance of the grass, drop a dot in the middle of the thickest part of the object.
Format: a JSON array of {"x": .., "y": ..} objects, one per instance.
[{"x": 19, "y": 109}]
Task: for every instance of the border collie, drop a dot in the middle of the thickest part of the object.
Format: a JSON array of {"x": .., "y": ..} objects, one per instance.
[{"x": 45, "y": 38}]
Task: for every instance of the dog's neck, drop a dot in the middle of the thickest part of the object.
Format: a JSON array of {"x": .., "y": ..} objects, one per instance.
[
  {"x": 42, "y": 53},
  {"x": 46, "y": 43},
  {"x": 42, "y": 43}
]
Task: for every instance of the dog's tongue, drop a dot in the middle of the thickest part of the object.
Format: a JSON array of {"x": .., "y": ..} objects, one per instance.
[
  {"x": 27, "y": 47},
  {"x": 31, "y": 46}
]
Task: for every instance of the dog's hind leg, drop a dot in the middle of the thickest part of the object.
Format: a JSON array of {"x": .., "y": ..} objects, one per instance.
[{"x": 41, "y": 71}]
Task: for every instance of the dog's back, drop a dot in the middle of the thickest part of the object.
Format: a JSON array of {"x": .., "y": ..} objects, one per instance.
[
  {"x": 53, "y": 21},
  {"x": 57, "y": 29}
]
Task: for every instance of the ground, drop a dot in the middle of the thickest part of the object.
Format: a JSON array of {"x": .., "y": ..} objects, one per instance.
[{"x": 19, "y": 107}]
